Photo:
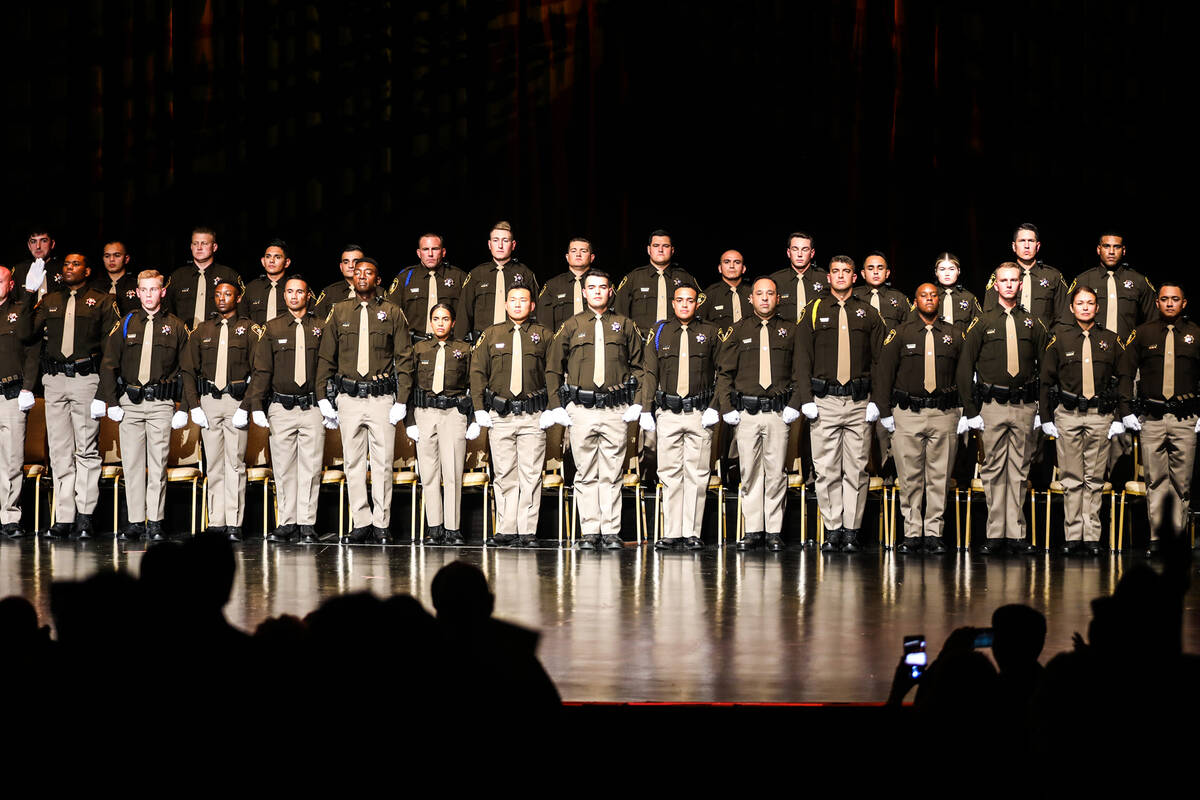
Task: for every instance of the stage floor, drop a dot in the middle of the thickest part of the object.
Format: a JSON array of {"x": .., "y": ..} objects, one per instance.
[{"x": 718, "y": 625}]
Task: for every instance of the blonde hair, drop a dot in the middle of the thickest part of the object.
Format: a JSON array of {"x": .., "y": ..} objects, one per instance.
[{"x": 150, "y": 275}]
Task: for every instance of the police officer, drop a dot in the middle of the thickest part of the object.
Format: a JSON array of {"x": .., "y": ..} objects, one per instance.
[
  {"x": 840, "y": 336},
  {"x": 140, "y": 381},
  {"x": 877, "y": 292},
  {"x": 365, "y": 364},
  {"x": 1079, "y": 377},
  {"x": 757, "y": 392},
  {"x": 484, "y": 294},
  {"x": 16, "y": 328},
  {"x": 801, "y": 281},
  {"x": 339, "y": 290},
  {"x": 1124, "y": 297},
  {"x": 594, "y": 378},
  {"x": 71, "y": 322},
  {"x": 189, "y": 289},
  {"x": 40, "y": 273},
  {"x": 728, "y": 300},
  {"x": 956, "y": 304},
  {"x": 1043, "y": 290},
  {"x": 644, "y": 295},
  {"x": 918, "y": 400},
  {"x": 216, "y": 371},
  {"x": 1166, "y": 351},
  {"x": 1002, "y": 351},
  {"x": 117, "y": 279},
  {"x": 563, "y": 297},
  {"x": 419, "y": 288},
  {"x": 681, "y": 376},
  {"x": 263, "y": 298},
  {"x": 508, "y": 390},
  {"x": 283, "y": 399}
]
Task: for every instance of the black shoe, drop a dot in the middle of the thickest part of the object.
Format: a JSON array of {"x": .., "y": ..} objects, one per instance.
[
  {"x": 833, "y": 540},
  {"x": 283, "y": 534},
  {"x": 669, "y": 543},
  {"x": 1089, "y": 549},
  {"x": 693, "y": 543},
  {"x": 454, "y": 539},
  {"x": 356, "y": 536},
  {"x": 774, "y": 542},
  {"x": 381, "y": 535},
  {"x": 527, "y": 540},
  {"x": 12, "y": 530},
  {"x": 434, "y": 534},
  {"x": 134, "y": 532},
  {"x": 1071, "y": 548},
  {"x": 910, "y": 545},
  {"x": 1022, "y": 547},
  {"x": 60, "y": 530},
  {"x": 501, "y": 540},
  {"x": 1153, "y": 549},
  {"x": 750, "y": 541},
  {"x": 307, "y": 534},
  {"x": 994, "y": 547},
  {"x": 155, "y": 532},
  {"x": 933, "y": 545},
  {"x": 589, "y": 542},
  {"x": 613, "y": 542},
  {"x": 233, "y": 532},
  {"x": 850, "y": 541},
  {"x": 810, "y": 543},
  {"x": 83, "y": 526}
]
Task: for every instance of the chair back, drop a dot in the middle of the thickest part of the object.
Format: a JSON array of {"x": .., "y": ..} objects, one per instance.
[
  {"x": 109, "y": 441},
  {"x": 37, "y": 447},
  {"x": 405, "y": 453},
  {"x": 554, "y": 449},
  {"x": 185, "y": 448},
  {"x": 258, "y": 447},
  {"x": 476, "y": 459},
  {"x": 332, "y": 456}
]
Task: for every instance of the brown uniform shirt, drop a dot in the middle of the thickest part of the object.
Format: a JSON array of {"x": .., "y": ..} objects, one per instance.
[
  {"x": 1048, "y": 295},
  {"x": 816, "y": 284},
  {"x": 901, "y": 364},
  {"x": 410, "y": 291},
  {"x": 491, "y": 361},
  {"x": 1135, "y": 297},
  {"x": 1145, "y": 351},
  {"x": 181, "y": 289},
  {"x": 818, "y": 332},
  {"x": 737, "y": 361},
  {"x": 123, "y": 351},
  {"x": 200, "y": 357},
  {"x": 985, "y": 353},
  {"x": 1062, "y": 363},
  {"x": 331, "y": 295},
  {"x": 389, "y": 353},
  {"x": 662, "y": 357},
  {"x": 637, "y": 294},
  {"x": 274, "y": 360},
  {"x": 893, "y": 305},
  {"x": 95, "y": 315},
  {"x": 556, "y": 301},
  {"x": 124, "y": 293},
  {"x": 572, "y": 354},
  {"x": 16, "y": 329},
  {"x": 477, "y": 305},
  {"x": 254, "y": 300},
  {"x": 21, "y": 271},
  {"x": 717, "y": 307},
  {"x": 964, "y": 304}
]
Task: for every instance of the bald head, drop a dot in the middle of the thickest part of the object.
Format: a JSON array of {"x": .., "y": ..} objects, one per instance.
[
  {"x": 6, "y": 283},
  {"x": 927, "y": 301},
  {"x": 732, "y": 267}
]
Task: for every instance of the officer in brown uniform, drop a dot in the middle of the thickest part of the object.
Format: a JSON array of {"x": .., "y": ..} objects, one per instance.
[
  {"x": 263, "y": 299},
  {"x": 644, "y": 295},
  {"x": 283, "y": 399},
  {"x": 956, "y": 304},
  {"x": 70, "y": 323},
  {"x": 484, "y": 294},
  {"x": 365, "y": 365},
  {"x": 840, "y": 337},
  {"x": 1166, "y": 351},
  {"x": 340, "y": 290},
  {"x": 1043, "y": 290},
  {"x": 801, "y": 281},
  {"x": 216, "y": 373},
  {"x": 117, "y": 279},
  {"x": 1124, "y": 297},
  {"x": 681, "y": 375},
  {"x": 757, "y": 392},
  {"x": 563, "y": 297},
  {"x": 16, "y": 328},
  {"x": 419, "y": 288},
  {"x": 875, "y": 290},
  {"x": 1002, "y": 351},
  {"x": 1079, "y": 408},
  {"x": 40, "y": 273},
  {"x": 918, "y": 400},
  {"x": 189, "y": 289},
  {"x": 594, "y": 379},
  {"x": 727, "y": 301},
  {"x": 140, "y": 382},
  {"x": 508, "y": 390}
]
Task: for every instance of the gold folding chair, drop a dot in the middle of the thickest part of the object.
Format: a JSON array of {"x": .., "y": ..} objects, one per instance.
[
  {"x": 258, "y": 469},
  {"x": 37, "y": 460},
  {"x": 1134, "y": 488},
  {"x": 332, "y": 474},
  {"x": 553, "y": 479},
  {"x": 404, "y": 473},
  {"x": 111, "y": 470},
  {"x": 185, "y": 463}
]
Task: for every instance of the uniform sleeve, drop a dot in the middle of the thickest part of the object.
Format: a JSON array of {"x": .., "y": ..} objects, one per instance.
[
  {"x": 635, "y": 354},
  {"x": 481, "y": 367},
  {"x": 402, "y": 355},
  {"x": 965, "y": 377},
  {"x": 1049, "y": 378},
  {"x": 110, "y": 366},
  {"x": 1127, "y": 368},
  {"x": 464, "y": 320},
  {"x": 884, "y": 374},
  {"x": 243, "y": 303},
  {"x": 650, "y": 367},
  {"x": 622, "y": 302},
  {"x": 190, "y": 366},
  {"x": 724, "y": 366},
  {"x": 1124, "y": 406},
  {"x": 262, "y": 374},
  {"x": 556, "y": 363},
  {"x": 33, "y": 320},
  {"x": 802, "y": 357},
  {"x": 1059, "y": 308},
  {"x": 535, "y": 294},
  {"x": 326, "y": 360},
  {"x": 1146, "y": 302}
]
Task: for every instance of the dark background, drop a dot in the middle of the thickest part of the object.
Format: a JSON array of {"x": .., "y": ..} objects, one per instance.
[{"x": 912, "y": 127}]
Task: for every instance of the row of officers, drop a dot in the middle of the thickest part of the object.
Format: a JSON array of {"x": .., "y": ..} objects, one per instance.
[{"x": 840, "y": 366}]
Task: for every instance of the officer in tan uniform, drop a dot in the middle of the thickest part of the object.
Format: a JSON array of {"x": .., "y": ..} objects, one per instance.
[
  {"x": 681, "y": 375},
  {"x": 419, "y": 288},
  {"x": 563, "y": 297},
  {"x": 484, "y": 294},
  {"x": 340, "y": 290},
  {"x": 140, "y": 382},
  {"x": 16, "y": 329},
  {"x": 283, "y": 399},
  {"x": 216, "y": 372},
  {"x": 594, "y": 379},
  {"x": 801, "y": 281},
  {"x": 365, "y": 366},
  {"x": 644, "y": 295},
  {"x": 1124, "y": 297},
  {"x": 877, "y": 292},
  {"x": 508, "y": 390},
  {"x": 116, "y": 279},
  {"x": 437, "y": 423},
  {"x": 189, "y": 289},
  {"x": 263, "y": 299},
  {"x": 1043, "y": 290},
  {"x": 728, "y": 300},
  {"x": 757, "y": 392},
  {"x": 918, "y": 400}
]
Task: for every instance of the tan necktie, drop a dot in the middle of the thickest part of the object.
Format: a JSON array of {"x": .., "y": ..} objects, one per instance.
[
  {"x": 875, "y": 299},
  {"x": 147, "y": 349},
  {"x": 498, "y": 307},
  {"x": 433, "y": 301},
  {"x": 1027, "y": 291},
  {"x": 272, "y": 308},
  {"x": 1010, "y": 344},
  {"x": 660, "y": 309},
  {"x": 1169, "y": 364},
  {"x": 300, "y": 371},
  {"x": 1089, "y": 375},
  {"x": 801, "y": 297},
  {"x": 201, "y": 295},
  {"x": 222, "y": 376},
  {"x": 684, "y": 386},
  {"x": 930, "y": 363},
  {"x": 948, "y": 307},
  {"x": 112, "y": 287},
  {"x": 578, "y": 308},
  {"x": 68, "y": 337},
  {"x": 1110, "y": 304},
  {"x": 439, "y": 369},
  {"x": 764, "y": 356},
  {"x": 518, "y": 355},
  {"x": 736, "y": 305},
  {"x": 598, "y": 356},
  {"x": 364, "y": 339},
  {"x": 843, "y": 353}
]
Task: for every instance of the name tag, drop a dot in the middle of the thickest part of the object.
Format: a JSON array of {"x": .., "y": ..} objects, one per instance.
[
  {"x": 206, "y": 341},
  {"x": 582, "y": 336},
  {"x": 824, "y": 319},
  {"x": 345, "y": 324},
  {"x": 132, "y": 336},
  {"x": 990, "y": 331},
  {"x": 747, "y": 341},
  {"x": 483, "y": 285},
  {"x": 719, "y": 308},
  {"x": 911, "y": 346},
  {"x": 561, "y": 296},
  {"x": 283, "y": 341},
  {"x": 417, "y": 290},
  {"x": 500, "y": 345},
  {"x": 645, "y": 288},
  {"x": 1070, "y": 354},
  {"x": 666, "y": 347},
  {"x": 425, "y": 361}
]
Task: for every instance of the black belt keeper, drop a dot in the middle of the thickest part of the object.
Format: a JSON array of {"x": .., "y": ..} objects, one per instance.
[
  {"x": 1181, "y": 407},
  {"x": 753, "y": 405},
  {"x": 539, "y": 401},
  {"x": 589, "y": 398},
  {"x": 942, "y": 401},
  {"x": 424, "y": 399},
  {"x": 11, "y": 387},
  {"x": 994, "y": 393},
  {"x": 682, "y": 405},
  {"x": 290, "y": 401},
  {"x": 856, "y": 389},
  {"x": 80, "y": 366},
  {"x": 235, "y": 389},
  {"x": 371, "y": 388}
]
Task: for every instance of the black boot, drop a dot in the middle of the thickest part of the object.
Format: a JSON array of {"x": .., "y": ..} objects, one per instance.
[
  {"x": 850, "y": 541},
  {"x": 750, "y": 541},
  {"x": 833, "y": 540},
  {"x": 83, "y": 526}
]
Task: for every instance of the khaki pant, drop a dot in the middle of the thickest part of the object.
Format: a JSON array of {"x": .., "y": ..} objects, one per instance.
[
  {"x": 518, "y": 456},
  {"x": 598, "y": 442},
  {"x": 925, "y": 444},
  {"x": 1082, "y": 446},
  {"x": 1168, "y": 452},
  {"x": 73, "y": 440},
  {"x": 366, "y": 430},
  {"x": 762, "y": 444},
  {"x": 225, "y": 462},
  {"x": 441, "y": 450},
  {"x": 684, "y": 466},
  {"x": 841, "y": 447},
  {"x": 145, "y": 433},
  {"x": 297, "y": 449},
  {"x": 1006, "y": 458},
  {"x": 12, "y": 460}
]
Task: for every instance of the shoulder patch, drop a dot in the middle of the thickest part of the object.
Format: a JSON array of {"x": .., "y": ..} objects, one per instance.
[
  {"x": 1132, "y": 336},
  {"x": 724, "y": 333},
  {"x": 467, "y": 279},
  {"x": 391, "y": 289},
  {"x": 621, "y": 285},
  {"x": 482, "y": 338},
  {"x": 891, "y": 335},
  {"x": 991, "y": 282},
  {"x": 1050, "y": 343},
  {"x": 258, "y": 330},
  {"x": 560, "y": 328},
  {"x": 701, "y": 298},
  {"x": 1071, "y": 288},
  {"x": 321, "y": 297},
  {"x": 974, "y": 322},
  {"x": 329, "y": 316},
  {"x": 115, "y": 326}
]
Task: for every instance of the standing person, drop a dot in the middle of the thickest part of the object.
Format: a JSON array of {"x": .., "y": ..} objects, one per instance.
[
  {"x": 216, "y": 373},
  {"x": 263, "y": 299},
  {"x": 914, "y": 387},
  {"x": 681, "y": 377},
  {"x": 801, "y": 281},
  {"x": 758, "y": 393},
  {"x": 644, "y": 295},
  {"x": 727, "y": 301},
  {"x": 563, "y": 297},
  {"x": 16, "y": 330},
  {"x": 140, "y": 381},
  {"x": 956, "y": 304},
  {"x": 485, "y": 289},
  {"x": 1079, "y": 378},
  {"x": 365, "y": 365},
  {"x": 117, "y": 279},
  {"x": 997, "y": 382},
  {"x": 418, "y": 289},
  {"x": 840, "y": 336},
  {"x": 283, "y": 399},
  {"x": 1043, "y": 291},
  {"x": 1124, "y": 297},
  {"x": 1166, "y": 351},
  {"x": 878, "y": 293},
  {"x": 508, "y": 390},
  {"x": 593, "y": 374},
  {"x": 69, "y": 326},
  {"x": 189, "y": 289},
  {"x": 339, "y": 290},
  {"x": 41, "y": 272}
]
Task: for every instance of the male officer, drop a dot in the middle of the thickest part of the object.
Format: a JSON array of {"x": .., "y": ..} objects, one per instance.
[
  {"x": 484, "y": 297},
  {"x": 140, "y": 381},
  {"x": 644, "y": 295},
  {"x": 681, "y": 377},
  {"x": 563, "y": 297},
  {"x": 1166, "y": 351},
  {"x": 1002, "y": 351},
  {"x": 216, "y": 371},
  {"x": 757, "y": 391},
  {"x": 283, "y": 399},
  {"x": 40, "y": 273},
  {"x": 728, "y": 300},
  {"x": 1124, "y": 297},
  {"x": 1043, "y": 290},
  {"x": 508, "y": 389},
  {"x": 263, "y": 298},
  {"x": 800, "y": 282},
  {"x": 840, "y": 336},
  {"x": 117, "y": 279},
  {"x": 419, "y": 288},
  {"x": 69, "y": 327},
  {"x": 366, "y": 365},
  {"x": 1079, "y": 378},
  {"x": 16, "y": 326},
  {"x": 875, "y": 290},
  {"x": 340, "y": 290},
  {"x": 594, "y": 375},
  {"x": 189, "y": 289},
  {"x": 916, "y": 394}
]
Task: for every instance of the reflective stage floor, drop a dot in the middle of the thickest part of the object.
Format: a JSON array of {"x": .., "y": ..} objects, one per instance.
[{"x": 718, "y": 625}]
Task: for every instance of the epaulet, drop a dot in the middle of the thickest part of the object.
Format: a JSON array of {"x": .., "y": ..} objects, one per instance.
[
  {"x": 724, "y": 333},
  {"x": 621, "y": 285},
  {"x": 888, "y": 339},
  {"x": 258, "y": 330},
  {"x": 974, "y": 322}
]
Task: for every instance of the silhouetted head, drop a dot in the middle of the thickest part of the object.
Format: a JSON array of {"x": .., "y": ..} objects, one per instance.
[
  {"x": 460, "y": 594},
  {"x": 1020, "y": 634},
  {"x": 210, "y": 564},
  {"x": 18, "y": 622}
]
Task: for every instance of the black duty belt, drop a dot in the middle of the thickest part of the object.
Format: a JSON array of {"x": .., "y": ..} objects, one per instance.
[
  {"x": 1076, "y": 402},
  {"x": 163, "y": 390},
  {"x": 1181, "y": 406},
  {"x": 536, "y": 402},
  {"x": 235, "y": 389},
  {"x": 424, "y": 399},
  {"x": 290, "y": 401},
  {"x": 995, "y": 393},
  {"x": 942, "y": 401},
  {"x": 10, "y": 387},
  {"x": 752, "y": 404},
  {"x": 857, "y": 389},
  {"x": 372, "y": 388},
  {"x": 589, "y": 398},
  {"x": 682, "y": 405},
  {"x": 80, "y": 366}
]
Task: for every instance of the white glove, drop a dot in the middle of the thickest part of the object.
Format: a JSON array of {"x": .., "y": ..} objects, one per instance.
[
  {"x": 1131, "y": 422},
  {"x": 632, "y": 413},
  {"x": 1050, "y": 429},
  {"x": 889, "y": 424},
  {"x": 413, "y": 433},
  {"x": 484, "y": 419},
  {"x": 178, "y": 420},
  {"x": 1198, "y": 426},
  {"x": 25, "y": 402},
  {"x": 646, "y": 421},
  {"x": 1037, "y": 421},
  {"x": 1116, "y": 429},
  {"x": 327, "y": 410},
  {"x": 962, "y": 426},
  {"x": 116, "y": 413},
  {"x": 809, "y": 410},
  {"x": 396, "y": 414},
  {"x": 199, "y": 417},
  {"x": 872, "y": 412},
  {"x": 260, "y": 419},
  {"x": 710, "y": 417},
  {"x": 98, "y": 407},
  {"x": 790, "y": 415},
  {"x": 562, "y": 417},
  {"x": 472, "y": 431},
  {"x": 240, "y": 419},
  {"x": 732, "y": 417},
  {"x": 330, "y": 424},
  {"x": 975, "y": 423},
  {"x": 35, "y": 276},
  {"x": 546, "y": 419}
]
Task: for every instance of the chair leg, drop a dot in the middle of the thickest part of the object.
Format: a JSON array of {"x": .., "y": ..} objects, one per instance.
[
  {"x": 1046, "y": 538},
  {"x": 657, "y": 512},
  {"x": 803, "y": 512},
  {"x": 967, "y": 532},
  {"x": 559, "y": 520},
  {"x": 957, "y": 521},
  {"x": 820, "y": 529},
  {"x": 116, "y": 504},
  {"x": 741, "y": 521},
  {"x": 1121, "y": 526},
  {"x": 1032, "y": 517}
]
